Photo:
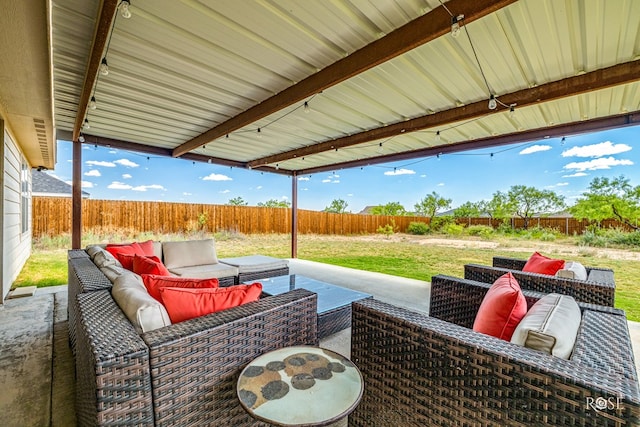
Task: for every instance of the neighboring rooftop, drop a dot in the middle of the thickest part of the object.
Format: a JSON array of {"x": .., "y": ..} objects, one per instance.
[{"x": 45, "y": 185}]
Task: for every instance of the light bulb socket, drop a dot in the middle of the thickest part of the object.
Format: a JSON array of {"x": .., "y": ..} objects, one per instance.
[
  {"x": 92, "y": 104},
  {"x": 307, "y": 109},
  {"x": 493, "y": 104},
  {"x": 86, "y": 124},
  {"x": 455, "y": 25}
]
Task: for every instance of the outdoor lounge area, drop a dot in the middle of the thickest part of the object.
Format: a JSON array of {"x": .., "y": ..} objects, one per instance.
[{"x": 397, "y": 345}]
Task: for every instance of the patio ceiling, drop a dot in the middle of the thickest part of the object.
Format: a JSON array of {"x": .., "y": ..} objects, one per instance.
[{"x": 226, "y": 81}]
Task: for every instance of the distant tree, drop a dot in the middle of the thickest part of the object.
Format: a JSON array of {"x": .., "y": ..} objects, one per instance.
[
  {"x": 498, "y": 207},
  {"x": 468, "y": 210},
  {"x": 273, "y": 203},
  {"x": 529, "y": 201},
  {"x": 431, "y": 204},
  {"x": 337, "y": 206},
  {"x": 609, "y": 198},
  {"x": 390, "y": 209},
  {"x": 237, "y": 201}
]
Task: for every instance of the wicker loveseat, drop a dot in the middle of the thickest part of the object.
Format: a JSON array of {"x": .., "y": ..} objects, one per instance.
[
  {"x": 599, "y": 288},
  {"x": 435, "y": 370},
  {"x": 181, "y": 374}
]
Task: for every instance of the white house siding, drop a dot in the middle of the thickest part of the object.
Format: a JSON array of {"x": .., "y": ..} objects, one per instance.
[{"x": 16, "y": 244}]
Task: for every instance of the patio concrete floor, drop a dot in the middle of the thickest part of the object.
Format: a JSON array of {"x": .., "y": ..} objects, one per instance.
[{"x": 36, "y": 366}]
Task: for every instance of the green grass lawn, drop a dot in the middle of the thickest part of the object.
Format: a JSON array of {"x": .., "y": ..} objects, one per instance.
[{"x": 399, "y": 257}]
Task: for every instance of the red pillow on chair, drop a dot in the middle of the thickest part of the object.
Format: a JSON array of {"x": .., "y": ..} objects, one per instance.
[
  {"x": 149, "y": 265},
  {"x": 184, "y": 304},
  {"x": 124, "y": 253},
  {"x": 502, "y": 308},
  {"x": 154, "y": 283},
  {"x": 541, "y": 264}
]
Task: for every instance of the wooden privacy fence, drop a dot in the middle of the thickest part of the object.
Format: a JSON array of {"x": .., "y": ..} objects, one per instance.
[{"x": 52, "y": 216}]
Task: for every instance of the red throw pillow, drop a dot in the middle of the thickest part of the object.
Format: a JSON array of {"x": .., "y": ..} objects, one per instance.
[
  {"x": 149, "y": 265},
  {"x": 147, "y": 247},
  {"x": 541, "y": 264},
  {"x": 154, "y": 283},
  {"x": 502, "y": 308},
  {"x": 184, "y": 304},
  {"x": 124, "y": 253}
]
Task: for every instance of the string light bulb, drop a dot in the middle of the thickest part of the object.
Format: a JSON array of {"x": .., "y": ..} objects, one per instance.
[
  {"x": 104, "y": 67},
  {"x": 512, "y": 110},
  {"x": 92, "y": 104},
  {"x": 81, "y": 138},
  {"x": 438, "y": 136},
  {"x": 455, "y": 25},
  {"x": 86, "y": 124},
  {"x": 493, "y": 104},
  {"x": 124, "y": 9},
  {"x": 306, "y": 108},
  {"x": 259, "y": 133}
]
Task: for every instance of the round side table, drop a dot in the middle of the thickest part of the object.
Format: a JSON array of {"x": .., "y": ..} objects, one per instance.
[{"x": 300, "y": 386}]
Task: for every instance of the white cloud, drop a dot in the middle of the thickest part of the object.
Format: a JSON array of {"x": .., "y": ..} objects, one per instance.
[
  {"x": 187, "y": 194},
  {"x": 84, "y": 184},
  {"x": 560, "y": 184},
  {"x": 441, "y": 184},
  {"x": 535, "y": 149},
  {"x": 596, "y": 164},
  {"x": 423, "y": 176},
  {"x": 113, "y": 151},
  {"x": 225, "y": 191},
  {"x": 400, "y": 171},
  {"x": 126, "y": 176},
  {"x": 284, "y": 198},
  {"x": 101, "y": 163},
  {"x": 127, "y": 163},
  {"x": 149, "y": 187},
  {"x": 575, "y": 175},
  {"x": 606, "y": 148},
  {"x": 350, "y": 195},
  {"x": 93, "y": 172},
  {"x": 115, "y": 185},
  {"x": 326, "y": 180},
  {"x": 305, "y": 189},
  {"x": 303, "y": 178},
  {"x": 259, "y": 187},
  {"x": 216, "y": 177}
]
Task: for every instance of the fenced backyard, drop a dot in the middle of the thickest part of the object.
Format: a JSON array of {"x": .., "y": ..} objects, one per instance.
[{"x": 52, "y": 217}]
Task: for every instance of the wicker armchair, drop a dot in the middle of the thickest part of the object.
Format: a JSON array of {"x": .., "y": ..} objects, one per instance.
[
  {"x": 434, "y": 370},
  {"x": 599, "y": 288}
]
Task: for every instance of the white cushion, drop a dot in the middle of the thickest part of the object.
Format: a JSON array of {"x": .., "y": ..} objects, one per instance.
[
  {"x": 206, "y": 271},
  {"x": 578, "y": 270},
  {"x": 112, "y": 272},
  {"x": 142, "y": 310},
  {"x": 103, "y": 258},
  {"x": 189, "y": 253},
  {"x": 550, "y": 326}
]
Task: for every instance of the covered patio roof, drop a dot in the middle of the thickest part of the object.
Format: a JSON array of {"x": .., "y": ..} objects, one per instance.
[{"x": 298, "y": 87}]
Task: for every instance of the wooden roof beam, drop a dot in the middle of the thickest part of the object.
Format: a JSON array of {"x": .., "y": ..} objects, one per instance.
[
  {"x": 600, "y": 79},
  {"x": 567, "y": 129},
  {"x": 411, "y": 35},
  {"x": 100, "y": 39}
]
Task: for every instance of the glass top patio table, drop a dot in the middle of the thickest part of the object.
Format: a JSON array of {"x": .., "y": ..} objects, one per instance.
[{"x": 330, "y": 297}]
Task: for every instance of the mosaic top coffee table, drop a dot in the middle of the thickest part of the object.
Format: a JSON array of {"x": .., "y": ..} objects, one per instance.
[
  {"x": 300, "y": 386},
  {"x": 334, "y": 302}
]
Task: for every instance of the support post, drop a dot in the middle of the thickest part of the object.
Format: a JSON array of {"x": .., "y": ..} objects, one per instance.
[
  {"x": 294, "y": 215},
  {"x": 76, "y": 197}
]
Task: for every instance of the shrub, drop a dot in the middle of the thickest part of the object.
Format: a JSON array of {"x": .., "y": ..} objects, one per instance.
[
  {"x": 419, "y": 228},
  {"x": 387, "y": 229},
  {"x": 439, "y": 223},
  {"x": 483, "y": 231},
  {"x": 453, "y": 229}
]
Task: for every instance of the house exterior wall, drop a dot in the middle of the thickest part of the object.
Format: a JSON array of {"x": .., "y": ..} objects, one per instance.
[{"x": 16, "y": 211}]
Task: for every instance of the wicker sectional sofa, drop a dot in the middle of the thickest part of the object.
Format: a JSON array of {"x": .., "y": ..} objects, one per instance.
[
  {"x": 435, "y": 370},
  {"x": 181, "y": 374}
]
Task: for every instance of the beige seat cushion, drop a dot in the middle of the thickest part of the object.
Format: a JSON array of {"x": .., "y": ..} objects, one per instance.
[
  {"x": 189, "y": 253},
  {"x": 101, "y": 257},
  {"x": 256, "y": 263},
  {"x": 550, "y": 326},
  {"x": 573, "y": 270},
  {"x": 206, "y": 271},
  {"x": 142, "y": 310},
  {"x": 113, "y": 272}
]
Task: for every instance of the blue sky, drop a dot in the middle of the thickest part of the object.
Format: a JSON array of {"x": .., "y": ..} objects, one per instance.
[{"x": 566, "y": 167}]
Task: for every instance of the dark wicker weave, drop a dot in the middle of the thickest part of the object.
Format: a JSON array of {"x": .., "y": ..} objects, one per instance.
[
  {"x": 433, "y": 370},
  {"x": 248, "y": 277},
  {"x": 82, "y": 276},
  {"x": 599, "y": 293}
]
